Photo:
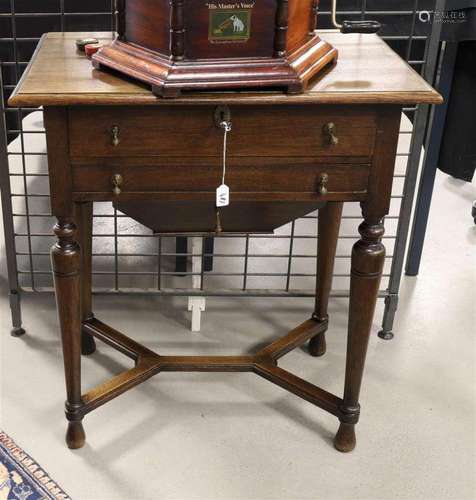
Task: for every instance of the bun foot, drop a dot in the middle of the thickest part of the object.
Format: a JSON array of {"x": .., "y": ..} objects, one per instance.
[
  {"x": 317, "y": 345},
  {"x": 75, "y": 436},
  {"x": 345, "y": 438},
  {"x": 88, "y": 344}
]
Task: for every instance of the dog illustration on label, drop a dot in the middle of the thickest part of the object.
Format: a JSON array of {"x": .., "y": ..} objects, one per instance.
[{"x": 238, "y": 24}]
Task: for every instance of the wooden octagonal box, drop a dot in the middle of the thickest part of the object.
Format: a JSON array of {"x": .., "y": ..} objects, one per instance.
[{"x": 176, "y": 45}]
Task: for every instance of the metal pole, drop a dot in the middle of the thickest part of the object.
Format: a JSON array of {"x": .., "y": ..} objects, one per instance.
[
  {"x": 430, "y": 162},
  {"x": 419, "y": 128},
  {"x": 8, "y": 225}
]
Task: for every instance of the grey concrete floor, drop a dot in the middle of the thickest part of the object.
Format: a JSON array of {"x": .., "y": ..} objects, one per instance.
[{"x": 208, "y": 436}]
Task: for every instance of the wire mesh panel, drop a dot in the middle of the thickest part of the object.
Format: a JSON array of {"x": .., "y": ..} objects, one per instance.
[{"x": 126, "y": 256}]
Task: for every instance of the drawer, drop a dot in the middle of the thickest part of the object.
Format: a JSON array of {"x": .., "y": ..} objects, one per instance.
[
  {"x": 190, "y": 132},
  {"x": 300, "y": 175}
]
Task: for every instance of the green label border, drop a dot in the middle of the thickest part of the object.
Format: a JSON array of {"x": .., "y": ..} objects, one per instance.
[{"x": 229, "y": 38}]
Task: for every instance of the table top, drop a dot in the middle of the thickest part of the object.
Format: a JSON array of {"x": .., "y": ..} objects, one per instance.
[{"x": 367, "y": 72}]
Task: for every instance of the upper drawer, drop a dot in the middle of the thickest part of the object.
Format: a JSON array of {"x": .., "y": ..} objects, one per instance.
[{"x": 178, "y": 131}]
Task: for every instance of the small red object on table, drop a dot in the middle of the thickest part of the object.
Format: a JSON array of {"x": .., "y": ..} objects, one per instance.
[{"x": 92, "y": 48}]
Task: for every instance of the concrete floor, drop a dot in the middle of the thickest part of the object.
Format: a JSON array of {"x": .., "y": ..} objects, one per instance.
[{"x": 208, "y": 436}]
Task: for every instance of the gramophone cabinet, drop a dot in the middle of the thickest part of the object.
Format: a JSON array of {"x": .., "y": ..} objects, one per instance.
[{"x": 195, "y": 44}]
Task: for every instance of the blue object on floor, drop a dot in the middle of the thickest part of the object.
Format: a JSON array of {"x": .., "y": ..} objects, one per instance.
[{"x": 21, "y": 478}]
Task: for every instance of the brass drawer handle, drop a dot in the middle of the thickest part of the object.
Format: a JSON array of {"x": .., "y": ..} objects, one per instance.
[
  {"x": 330, "y": 130},
  {"x": 322, "y": 186},
  {"x": 117, "y": 181},
  {"x": 115, "y": 136}
]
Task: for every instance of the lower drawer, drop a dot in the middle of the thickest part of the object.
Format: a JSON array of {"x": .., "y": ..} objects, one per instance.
[{"x": 242, "y": 176}]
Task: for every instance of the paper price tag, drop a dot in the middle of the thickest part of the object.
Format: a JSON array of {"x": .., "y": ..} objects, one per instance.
[{"x": 223, "y": 196}]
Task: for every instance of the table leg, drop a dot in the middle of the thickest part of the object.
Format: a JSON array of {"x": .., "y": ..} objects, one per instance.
[
  {"x": 66, "y": 262},
  {"x": 85, "y": 227},
  {"x": 328, "y": 233},
  {"x": 368, "y": 257}
]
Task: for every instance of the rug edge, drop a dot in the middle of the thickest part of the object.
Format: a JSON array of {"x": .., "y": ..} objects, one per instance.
[{"x": 31, "y": 468}]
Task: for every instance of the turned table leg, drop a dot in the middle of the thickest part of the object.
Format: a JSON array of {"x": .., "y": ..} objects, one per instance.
[
  {"x": 328, "y": 233},
  {"x": 85, "y": 238},
  {"x": 66, "y": 261},
  {"x": 368, "y": 257}
]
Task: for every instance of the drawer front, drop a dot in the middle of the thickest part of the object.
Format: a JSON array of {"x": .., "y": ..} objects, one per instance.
[
  {"x": 190, "y": 132},
  {"x": 247, "y": 176}
]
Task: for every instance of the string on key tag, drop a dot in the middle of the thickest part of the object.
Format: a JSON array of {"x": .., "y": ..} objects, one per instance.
[{"x": 223, "y": 191}]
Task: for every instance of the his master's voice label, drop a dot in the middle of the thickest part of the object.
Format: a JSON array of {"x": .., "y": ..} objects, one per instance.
[{"x": 229, "y": 22}]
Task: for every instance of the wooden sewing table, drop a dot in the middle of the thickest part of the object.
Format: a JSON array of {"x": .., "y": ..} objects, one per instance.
[{"x": 110, "y": 139}]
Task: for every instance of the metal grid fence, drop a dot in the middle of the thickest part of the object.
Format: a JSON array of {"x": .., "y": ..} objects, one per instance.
[{"x": 126, "y": 257}]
